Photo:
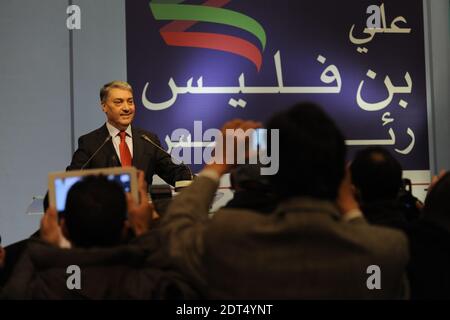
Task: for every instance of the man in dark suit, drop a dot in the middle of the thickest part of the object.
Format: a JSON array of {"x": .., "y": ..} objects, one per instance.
[{"x": 118, "y": 143}]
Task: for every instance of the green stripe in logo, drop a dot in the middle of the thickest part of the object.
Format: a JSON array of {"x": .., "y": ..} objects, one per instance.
[{"x": 208, "y": 14}]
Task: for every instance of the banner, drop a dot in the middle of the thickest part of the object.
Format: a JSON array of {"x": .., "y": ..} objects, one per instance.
[{"x": 205, "y": 62}]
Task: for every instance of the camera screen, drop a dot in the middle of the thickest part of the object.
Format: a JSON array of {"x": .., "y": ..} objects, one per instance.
[{"x": 63, "y": 185}]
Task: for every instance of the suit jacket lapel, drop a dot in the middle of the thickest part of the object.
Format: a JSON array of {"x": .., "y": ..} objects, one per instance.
[
  {"x": 109, "y": 152},
  {"x": 138, "y": 149}
]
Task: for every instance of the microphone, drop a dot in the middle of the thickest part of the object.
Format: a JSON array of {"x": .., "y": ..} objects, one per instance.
[
  {"x": 96, "y": 151},
  {"x": 182, "y": 182}
]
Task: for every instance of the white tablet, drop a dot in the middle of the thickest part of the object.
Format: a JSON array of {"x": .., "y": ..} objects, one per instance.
[{"x": 59, "y": 183}]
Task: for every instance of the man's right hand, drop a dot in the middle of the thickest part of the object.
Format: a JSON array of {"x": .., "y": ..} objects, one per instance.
[
  {"x": 219, "y": 162},
  {"x": 50, "y": 230},
  {"x": 140, "y": 216}
]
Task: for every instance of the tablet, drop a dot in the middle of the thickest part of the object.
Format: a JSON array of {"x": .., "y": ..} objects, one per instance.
[{"x": 59, "y": 183}]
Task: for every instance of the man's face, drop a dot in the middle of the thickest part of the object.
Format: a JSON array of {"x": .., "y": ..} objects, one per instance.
[{"x": 119, "y": 108}]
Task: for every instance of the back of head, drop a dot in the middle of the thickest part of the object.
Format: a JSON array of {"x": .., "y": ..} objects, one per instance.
[
  {"x": 95, "y": 212},
  {"x": 376, "y": 174},
  {"x": 248, "y": 177},
  {"x": 312, "y": 153},
  {"x": 437, "y": 204}
]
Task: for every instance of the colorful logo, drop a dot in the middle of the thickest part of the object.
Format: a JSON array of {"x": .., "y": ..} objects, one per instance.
[{"x": 187, "y": 15}]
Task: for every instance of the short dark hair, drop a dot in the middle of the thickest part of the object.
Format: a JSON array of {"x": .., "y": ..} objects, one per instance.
[
  {"x": 311, "y": 154},
  {"x": 248, "y": 177},
  {"x": 437, "y": 204},
  {"x": 116, "y": 84},
  {"x": 95, "y": 213},
  {"x": 376, "y": 174}
]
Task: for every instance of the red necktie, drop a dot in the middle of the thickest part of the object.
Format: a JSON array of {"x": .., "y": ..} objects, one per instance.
[{"x": 125, "y": 154}]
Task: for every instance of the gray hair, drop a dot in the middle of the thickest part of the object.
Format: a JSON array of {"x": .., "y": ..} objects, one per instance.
[{"x": 104, "y": 91}]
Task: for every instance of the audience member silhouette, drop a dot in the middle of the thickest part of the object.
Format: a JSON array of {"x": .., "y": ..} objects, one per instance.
[
  {"x": 251, "y": 189},
  {"x": 429, "y": 267},
  {"x": 377, "y": 177},
  {"x": 316, "y": 244},
  {"x": 89, "y": 237}
]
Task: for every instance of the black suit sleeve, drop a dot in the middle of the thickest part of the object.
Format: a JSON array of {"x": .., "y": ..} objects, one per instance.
[
  {"x": 80, "y": 157},
  {"x": 167, "y": 169}
]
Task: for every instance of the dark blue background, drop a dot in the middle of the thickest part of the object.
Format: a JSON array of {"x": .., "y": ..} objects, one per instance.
[{"x": 300, "y": 30}]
